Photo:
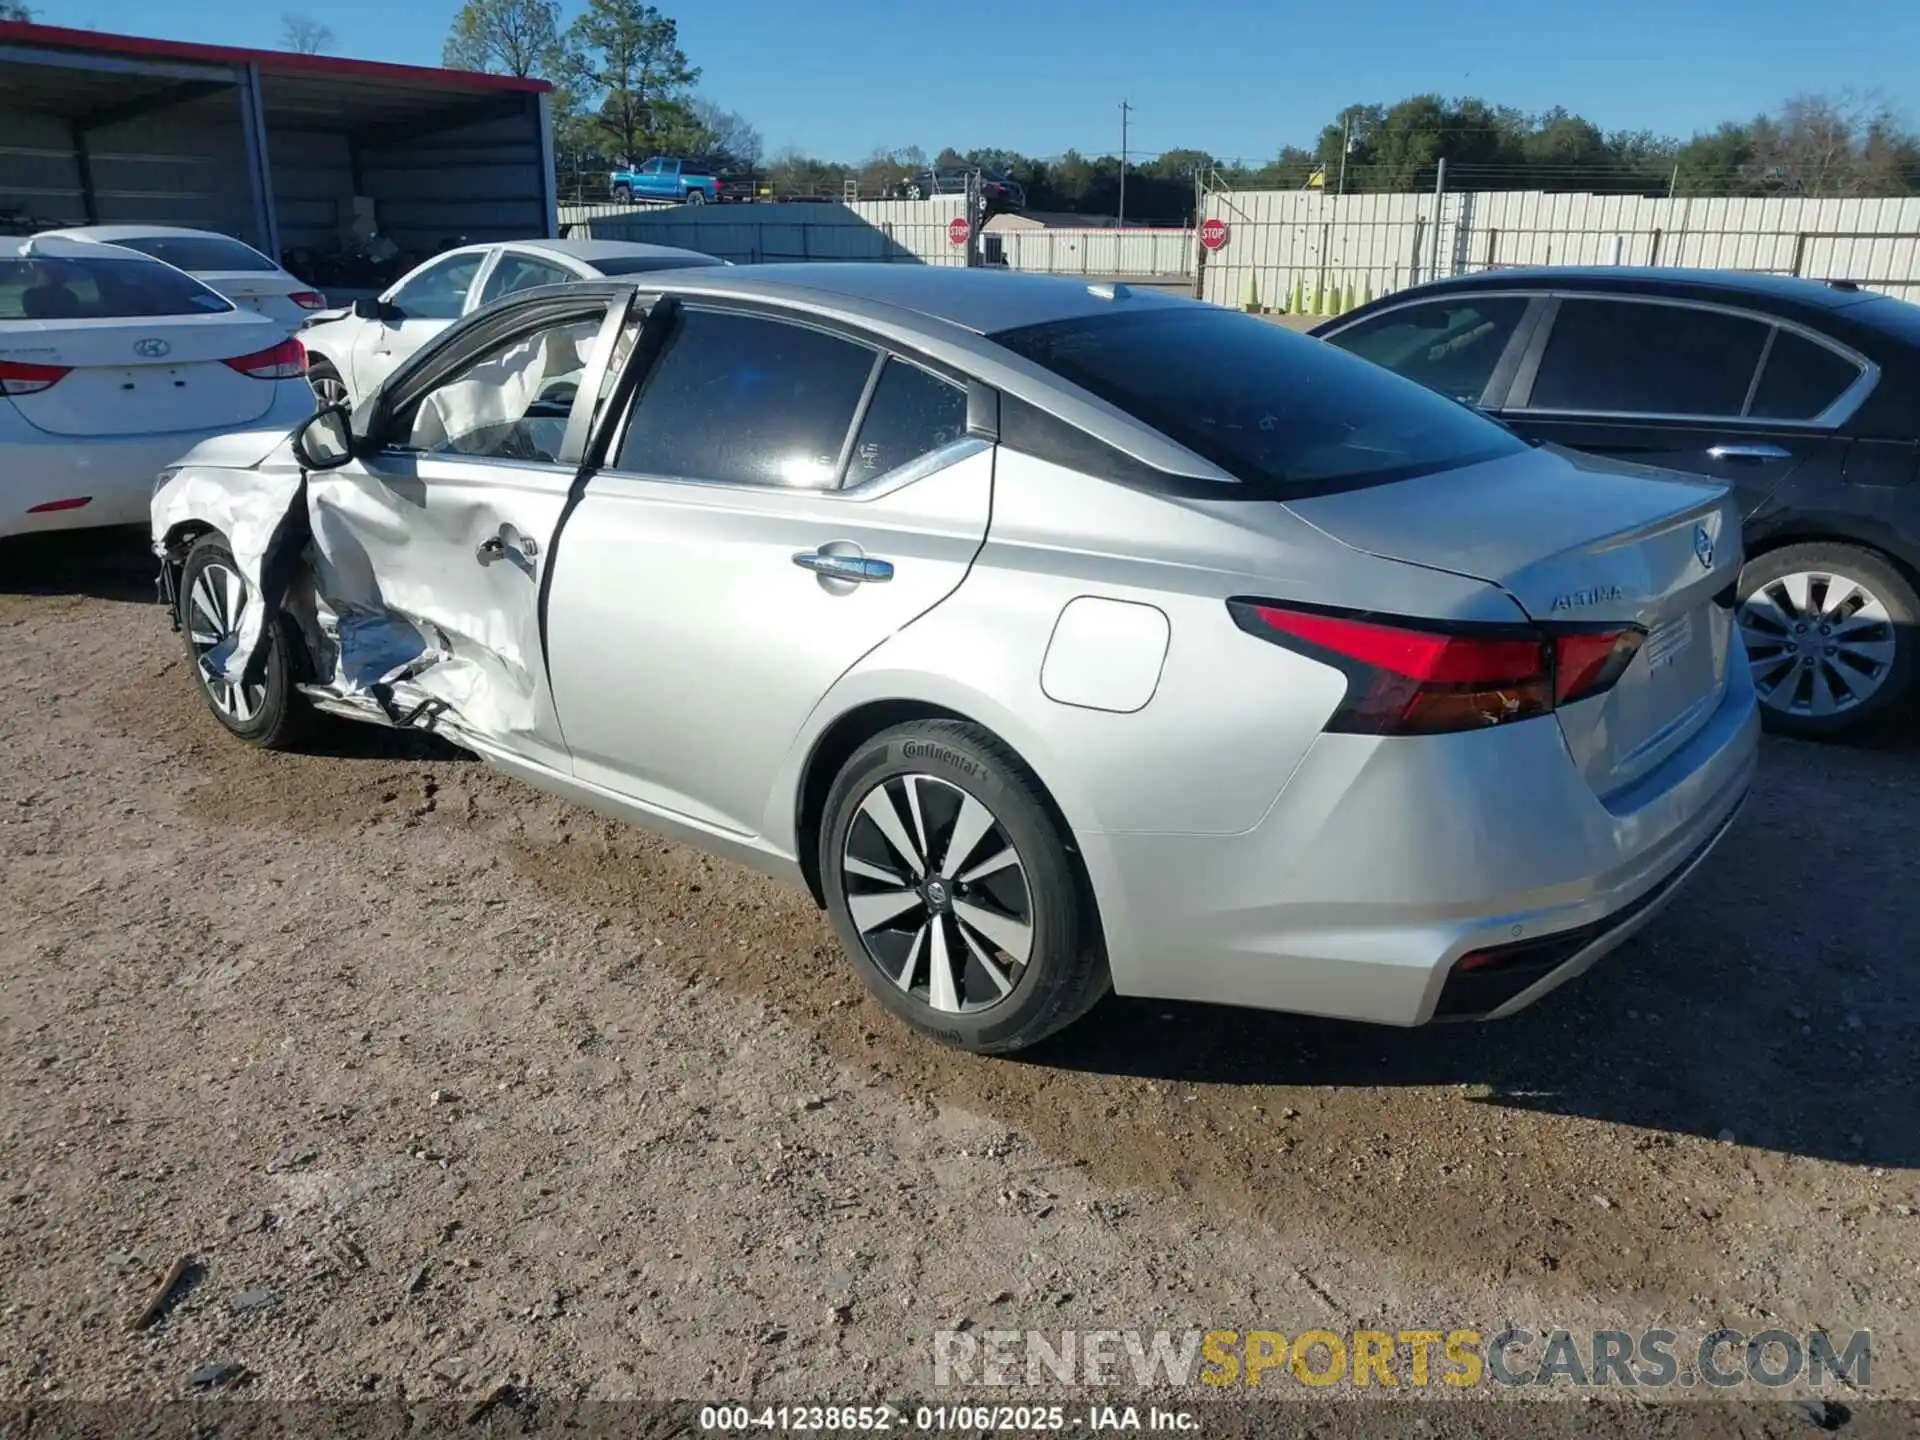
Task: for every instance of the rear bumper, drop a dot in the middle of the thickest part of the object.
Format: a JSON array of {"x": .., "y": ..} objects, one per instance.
[
  {"x": 1384, "y": 863},
  {"x": 113, "y": 474}
]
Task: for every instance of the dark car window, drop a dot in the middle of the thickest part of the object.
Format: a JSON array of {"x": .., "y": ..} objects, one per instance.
[
  {"x": 1802, "y": 378},
  {"x": 1633, "y": 357},
  {"x": 912, "y": 413},
  {"x": 202, "y": 252},
  {"x": 749, "y": 401},
  {"x": 523, "y": 272},
  {"x": 440, "y": 291},
  {"x": 59, "y": 288},
  {"x": 642, "y": 264},
  {"x": 1286, "y": 414},
  {"x": 1448, "y": 345}
]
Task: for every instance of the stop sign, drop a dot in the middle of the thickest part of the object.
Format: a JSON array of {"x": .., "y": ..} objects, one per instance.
[
  {"x": 958, "y": 230},
  {"x": 1214, "y": 234}
]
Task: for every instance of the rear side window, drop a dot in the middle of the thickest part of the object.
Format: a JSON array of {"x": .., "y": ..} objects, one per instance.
[
  {"x": 1801, "y": 379},
  {"x": 49, "y": 288},
  {"x": 746, "y": 401},
  {"x": 1637, "y": 358},
  {"x": 1448, "y": 345},
  {"x": 1284, "y": 413},
  {"x": 202, "y": 252},
  {"x": 912, "y": 413},
  {"x": 523, "y": 272}
]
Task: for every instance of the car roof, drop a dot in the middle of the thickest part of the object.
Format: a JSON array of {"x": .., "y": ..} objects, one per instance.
[
  {"x": 1646, "y": 279},
  {"x": 111, "y": 233},
  {"x": 983, "y": 301},
  {"x": 591, "y": 250}
]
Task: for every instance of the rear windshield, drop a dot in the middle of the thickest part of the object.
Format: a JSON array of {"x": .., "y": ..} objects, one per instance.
[
  {"x": 641, "y": 264},
  {"x": 46, "y": 288},
  {"x": 201, "y": 252},
  {"x": 1288, "y": 414}
]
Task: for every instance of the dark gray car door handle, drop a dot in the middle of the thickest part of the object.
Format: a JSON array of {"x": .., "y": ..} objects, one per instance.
[
  {"x": 863, "y": 569},
  {"x": 1752, "y": 454}
]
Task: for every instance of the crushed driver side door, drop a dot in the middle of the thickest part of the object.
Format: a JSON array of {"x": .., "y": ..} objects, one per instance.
[{"x": 432, "y": 552}]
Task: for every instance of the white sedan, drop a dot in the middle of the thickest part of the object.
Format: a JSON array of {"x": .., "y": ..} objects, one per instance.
[
  {"x": 353, "y": 350},
  {"x": 112, "y": 366},
  {"x": 220, "y": 262}
]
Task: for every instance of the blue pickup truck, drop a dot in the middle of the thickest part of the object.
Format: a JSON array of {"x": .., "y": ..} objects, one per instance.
[{"x": 668, "y": 177}]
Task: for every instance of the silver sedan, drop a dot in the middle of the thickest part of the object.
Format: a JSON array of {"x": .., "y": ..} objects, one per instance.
[{"x": 1056, "y": 637}]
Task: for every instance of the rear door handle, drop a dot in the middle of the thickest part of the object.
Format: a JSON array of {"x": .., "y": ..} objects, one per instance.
[
  {"x": 1751, "y": 454},
  {"x": 861, "y": 569}
]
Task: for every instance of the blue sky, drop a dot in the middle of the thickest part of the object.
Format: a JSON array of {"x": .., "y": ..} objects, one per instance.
[{"x": 840, "y": 78}]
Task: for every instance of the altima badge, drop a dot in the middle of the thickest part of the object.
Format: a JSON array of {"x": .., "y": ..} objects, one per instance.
[{"x": 1703, "y": 546}]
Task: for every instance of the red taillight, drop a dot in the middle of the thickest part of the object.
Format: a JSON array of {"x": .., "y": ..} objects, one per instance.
[
  {"x": 19, "y": 378},
  {"x": 284, "y": 361},
  {"x": 1408, "y": 677},
  {"x": 72, "y": 502},
  {"x": 1587, "y": 662},
  {"x": 309, "y": 299}
]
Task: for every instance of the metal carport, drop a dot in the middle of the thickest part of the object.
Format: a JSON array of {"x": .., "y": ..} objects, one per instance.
[{"x": 282, "y": 150}]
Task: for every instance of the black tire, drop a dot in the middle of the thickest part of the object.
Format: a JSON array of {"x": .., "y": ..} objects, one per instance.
[
  {"x": 696, "y": 197},
  {"x": 1064, "y": 973},
  {"x": 913, "y": 191},
  {"x": 323, "y": 372},
  {"x": 278, "y": 716},
  {"x": 1786, "y": 705},
  {"x": 623, "y": 194}
]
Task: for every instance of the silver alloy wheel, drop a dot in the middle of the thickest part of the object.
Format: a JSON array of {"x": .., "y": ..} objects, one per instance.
[
  {"x": 215, "y": 606},
  {"x": 1819, "y": 643},
  {"x": 329, "y": 389},
  {"x": 938, "y": 893}
]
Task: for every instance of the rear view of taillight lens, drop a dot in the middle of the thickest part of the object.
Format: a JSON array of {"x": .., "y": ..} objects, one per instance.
[
  {"x": 1588, "y": 660},
  {"x": 19, "y": 378},
  {"x": 1414, "y": 677},
  {"x": 309, "y": 299},
  {"x": 285, "y": 361}
]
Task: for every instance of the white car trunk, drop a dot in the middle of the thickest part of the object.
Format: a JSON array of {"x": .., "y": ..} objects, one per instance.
[
  {"x": 1579, "y": 542},
  {"x": 117, "y": 385}
]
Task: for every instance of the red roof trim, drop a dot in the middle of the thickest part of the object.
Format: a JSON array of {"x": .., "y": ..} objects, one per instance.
[{"x": 271, "y": 62}]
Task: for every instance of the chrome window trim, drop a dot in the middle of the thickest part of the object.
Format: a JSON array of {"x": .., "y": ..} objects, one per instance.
[{"x": 1838, "y": 413}]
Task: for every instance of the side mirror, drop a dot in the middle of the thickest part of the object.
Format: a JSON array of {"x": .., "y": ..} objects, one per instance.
[
  {"x": 324, "y": 440},
  {"x": 371, "y": 307}
]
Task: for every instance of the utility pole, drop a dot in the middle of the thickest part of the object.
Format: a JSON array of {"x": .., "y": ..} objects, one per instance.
[
  {"x": 1346, "y": 144},
  {"x": 1122, "y": 217}
]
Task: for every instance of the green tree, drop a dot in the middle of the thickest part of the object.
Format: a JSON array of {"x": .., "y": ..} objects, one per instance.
[
  {"x": 504, "y": 37},
  {"x": 14, "y": 10},
  {"x": 624, "y": 60}
]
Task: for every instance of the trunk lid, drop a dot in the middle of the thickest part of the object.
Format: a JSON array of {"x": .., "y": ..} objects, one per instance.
[
  {"x": 112, "y": 388},
  {"x": 1577, "y": 541}
]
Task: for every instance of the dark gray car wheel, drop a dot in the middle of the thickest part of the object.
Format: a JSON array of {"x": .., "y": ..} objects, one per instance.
[
  {"x": 328, "y": 387},
  {"x": 213, "y": 603},
  {"x": 1831, "y": 633},
  {"x": 950, "y": 882}
]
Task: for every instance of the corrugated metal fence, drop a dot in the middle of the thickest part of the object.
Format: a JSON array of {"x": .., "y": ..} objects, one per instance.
[
  {"x": 1141, "y": 253},
  {"x": 1369, "y": 245},
  {"x": 913, "y": 231}
]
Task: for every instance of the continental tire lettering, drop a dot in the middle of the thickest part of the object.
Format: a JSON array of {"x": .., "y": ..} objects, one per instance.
[{"x": 927, "y": 750}]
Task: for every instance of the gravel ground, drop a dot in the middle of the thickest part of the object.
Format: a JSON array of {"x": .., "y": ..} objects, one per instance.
[{"x": 440, "y": 1084}]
